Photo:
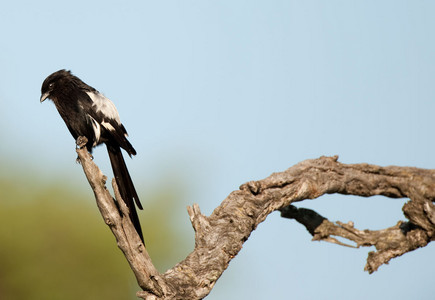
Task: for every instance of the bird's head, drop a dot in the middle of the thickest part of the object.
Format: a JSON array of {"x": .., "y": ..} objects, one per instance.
[{"x": 53, "y": 82}]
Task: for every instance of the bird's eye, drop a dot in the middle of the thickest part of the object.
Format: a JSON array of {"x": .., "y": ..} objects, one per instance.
[{"x": 51, "y": 85}]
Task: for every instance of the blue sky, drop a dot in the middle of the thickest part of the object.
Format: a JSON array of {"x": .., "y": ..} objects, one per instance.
[{"x": 223, "y": 92}]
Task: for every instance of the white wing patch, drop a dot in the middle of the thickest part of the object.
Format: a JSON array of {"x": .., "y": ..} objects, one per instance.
[
  {"x": 105, "y": 106},
  {"x": 97, "y": 130},
  {"x": 108, "y": 126}
]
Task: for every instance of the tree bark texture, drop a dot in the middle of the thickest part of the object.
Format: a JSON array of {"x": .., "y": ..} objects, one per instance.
[{"x": 220, "y": 236}]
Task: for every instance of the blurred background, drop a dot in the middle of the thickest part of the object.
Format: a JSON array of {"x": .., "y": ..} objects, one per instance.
[{"x": 213, "y": 94}]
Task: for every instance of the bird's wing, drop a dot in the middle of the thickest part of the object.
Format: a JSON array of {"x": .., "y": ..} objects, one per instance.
[{"x": 104, "y": 114}]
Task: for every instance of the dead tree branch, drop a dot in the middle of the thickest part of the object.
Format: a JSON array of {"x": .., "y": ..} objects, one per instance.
[
  {"x": 115, "y": 215},
  {"x": 220, "y": 236}
]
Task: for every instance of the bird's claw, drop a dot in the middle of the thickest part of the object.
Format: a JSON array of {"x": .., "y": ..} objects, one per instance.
[{"x": 81, "y": 141}]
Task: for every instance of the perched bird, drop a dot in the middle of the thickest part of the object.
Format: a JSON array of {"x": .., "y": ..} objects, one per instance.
[{"x": 88, "y": 113}]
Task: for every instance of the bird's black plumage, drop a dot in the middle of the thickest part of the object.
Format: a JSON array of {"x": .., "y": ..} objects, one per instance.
[{"x": 88, "y": 113}]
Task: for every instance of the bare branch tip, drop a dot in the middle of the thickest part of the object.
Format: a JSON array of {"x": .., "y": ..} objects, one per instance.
[
  {"x": 253, "y": 187},
  {"x": 124, "y": 208},
  {"x": 189, "y": 210}
]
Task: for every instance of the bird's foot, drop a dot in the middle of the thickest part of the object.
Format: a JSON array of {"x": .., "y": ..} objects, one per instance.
[{"x": 81, "y": 141}]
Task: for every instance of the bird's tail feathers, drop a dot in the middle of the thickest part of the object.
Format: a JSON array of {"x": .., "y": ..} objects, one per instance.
[{"x": 125, "y": 185}]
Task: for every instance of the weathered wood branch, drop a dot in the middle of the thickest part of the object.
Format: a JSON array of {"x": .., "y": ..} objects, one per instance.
[
  {"x": 220, "y": 236},
  {"x": 115, "y": 215}
]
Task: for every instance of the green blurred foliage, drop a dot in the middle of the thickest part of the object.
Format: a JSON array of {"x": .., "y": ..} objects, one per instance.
[{"x": 55, "y": 245}]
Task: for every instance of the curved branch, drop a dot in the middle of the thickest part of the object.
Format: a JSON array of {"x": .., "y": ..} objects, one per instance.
[{"x": 220, "y": 236}]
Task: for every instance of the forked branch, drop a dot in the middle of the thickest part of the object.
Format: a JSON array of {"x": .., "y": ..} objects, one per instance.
[{"x": 220, "y": 236}]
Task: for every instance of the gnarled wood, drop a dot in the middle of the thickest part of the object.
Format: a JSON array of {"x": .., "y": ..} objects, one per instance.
[
  {"x": 115, "y": 215},
  {"x": 220, "y": 236}
]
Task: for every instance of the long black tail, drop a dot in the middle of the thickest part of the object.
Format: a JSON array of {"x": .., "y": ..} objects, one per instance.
[{"x": 125, "y": 185}]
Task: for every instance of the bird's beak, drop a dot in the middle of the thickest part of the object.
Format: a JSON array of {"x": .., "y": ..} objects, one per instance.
[{"x": 44, "y": 96}]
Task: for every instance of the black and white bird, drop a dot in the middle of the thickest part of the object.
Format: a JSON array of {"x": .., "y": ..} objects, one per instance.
[{"x": 88, "y": 113}]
